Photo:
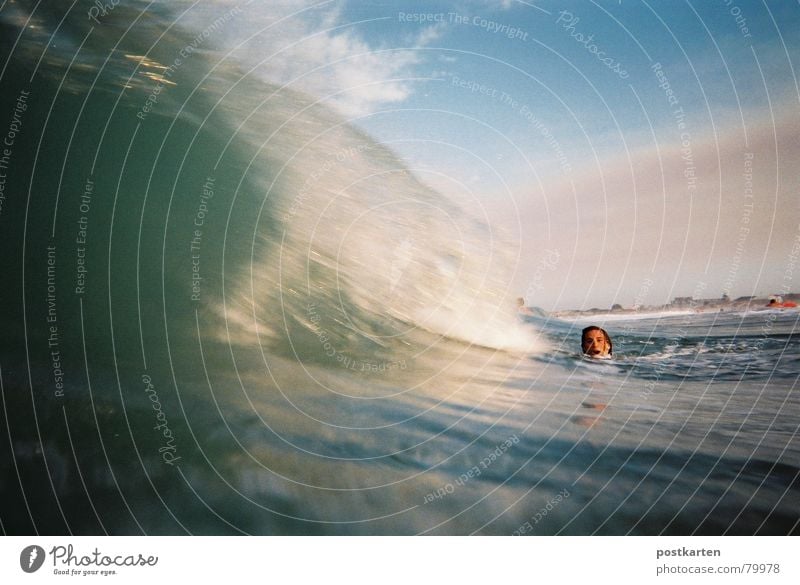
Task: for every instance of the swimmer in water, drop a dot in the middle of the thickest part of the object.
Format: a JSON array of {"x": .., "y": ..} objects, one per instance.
[
  {"x": 596, "y": 343},
  {"x": 521, "y": 308}
]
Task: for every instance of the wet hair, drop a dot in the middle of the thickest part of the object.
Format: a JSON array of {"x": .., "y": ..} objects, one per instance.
[{"x": 601, "y": 330}]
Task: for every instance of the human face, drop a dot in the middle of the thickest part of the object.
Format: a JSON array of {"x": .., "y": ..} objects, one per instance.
[{"x": 595, "y": 344}]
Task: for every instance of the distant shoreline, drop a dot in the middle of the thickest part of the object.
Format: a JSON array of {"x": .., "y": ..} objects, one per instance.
[{"x": 684, "y": 306}]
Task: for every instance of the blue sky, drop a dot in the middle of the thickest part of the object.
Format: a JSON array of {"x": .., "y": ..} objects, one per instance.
[{"x": 570, "y": 144}]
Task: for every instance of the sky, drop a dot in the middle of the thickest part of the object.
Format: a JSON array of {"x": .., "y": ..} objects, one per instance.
[{"x": 630, "y": 152}]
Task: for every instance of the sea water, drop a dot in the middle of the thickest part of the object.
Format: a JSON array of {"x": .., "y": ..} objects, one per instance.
[{"x": 228, "y": 310}]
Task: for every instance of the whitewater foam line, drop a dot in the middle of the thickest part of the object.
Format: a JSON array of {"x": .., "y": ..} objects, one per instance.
[{"x": 600, "y": 317}]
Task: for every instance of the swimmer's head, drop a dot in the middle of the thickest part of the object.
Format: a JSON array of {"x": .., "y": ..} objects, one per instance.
[{"x": 595, "y": 342}]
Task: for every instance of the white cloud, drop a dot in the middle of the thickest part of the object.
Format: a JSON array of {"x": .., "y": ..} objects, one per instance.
[
  {"x": 316, "y": 51},
  {"x": 429, "y": 34},
  {"x": 358, "y": 78}
]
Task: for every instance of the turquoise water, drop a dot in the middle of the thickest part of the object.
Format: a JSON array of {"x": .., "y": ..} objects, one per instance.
[{"x": 230, "y": 311}]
